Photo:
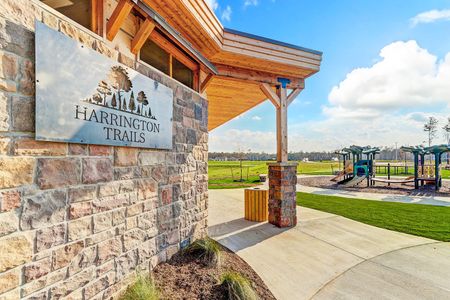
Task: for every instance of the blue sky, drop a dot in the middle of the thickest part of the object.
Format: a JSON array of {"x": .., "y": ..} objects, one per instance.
[{"x": 385, "y": 69}]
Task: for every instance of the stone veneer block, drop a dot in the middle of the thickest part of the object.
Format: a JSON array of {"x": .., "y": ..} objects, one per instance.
[
  {"x": 57, "y": 172},
  {"x": 14, "y": 251},
  {"x": 15, "y": 171},
  {"x": 282, "y": 194}
]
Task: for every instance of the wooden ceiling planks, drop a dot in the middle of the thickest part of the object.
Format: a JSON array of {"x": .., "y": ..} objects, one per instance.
[
  {"x": 228, "y": 100},
  {"x": 273, "y": 67},
  {"x": 187, "y": 19}
]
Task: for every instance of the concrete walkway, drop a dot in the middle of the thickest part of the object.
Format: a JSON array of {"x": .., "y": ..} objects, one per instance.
[{"x": 331, "y": 257}]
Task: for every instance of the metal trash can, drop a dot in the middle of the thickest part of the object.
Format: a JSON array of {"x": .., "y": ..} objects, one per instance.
[
  {"x": 256, "y": 204},
  {"x": 262, "y": 177}
]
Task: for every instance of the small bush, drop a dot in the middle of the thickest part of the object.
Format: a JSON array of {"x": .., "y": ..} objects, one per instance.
[
  {"x": 143, "y": 289},
  {"x": 208, "y": 250},
  {"x": 239, "y": 287}
]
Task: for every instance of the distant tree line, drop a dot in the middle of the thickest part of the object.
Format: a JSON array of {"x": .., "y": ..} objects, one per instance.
[
  {"x": 431, "y": 128},
  {"x": 386, "y": 153}
]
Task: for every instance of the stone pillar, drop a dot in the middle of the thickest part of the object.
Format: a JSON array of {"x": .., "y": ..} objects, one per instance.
[{"x": 282, "y": 194}]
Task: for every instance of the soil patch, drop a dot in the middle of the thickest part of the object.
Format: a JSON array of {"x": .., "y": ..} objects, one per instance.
[
  {"x": 381, "y": 188},
  {"x": 185, "y": 276}
]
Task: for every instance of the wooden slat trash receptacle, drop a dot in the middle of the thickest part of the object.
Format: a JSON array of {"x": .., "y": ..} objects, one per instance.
[{"x": 256, "y": 204}]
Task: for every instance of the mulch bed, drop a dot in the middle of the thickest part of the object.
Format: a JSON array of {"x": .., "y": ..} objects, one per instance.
[
  {"x": 381, "y": 188},
  {"x": 185, "y": 276}
]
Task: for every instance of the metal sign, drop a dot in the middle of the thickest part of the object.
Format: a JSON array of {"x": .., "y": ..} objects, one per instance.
[{"x": 85, "y": 97}]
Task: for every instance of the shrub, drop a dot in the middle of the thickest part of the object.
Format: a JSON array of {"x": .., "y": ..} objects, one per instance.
[
  {"x": 143, "y": 289},
  {"x": 239, "y": 287},
  {"x": 208, "y": 250}
]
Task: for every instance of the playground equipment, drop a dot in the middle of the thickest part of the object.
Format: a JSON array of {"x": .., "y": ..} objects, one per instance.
[
  {"x": 348, "y": 166},
  {"x": 426, "y": 174},
  {"x": 357, "y": 169}
]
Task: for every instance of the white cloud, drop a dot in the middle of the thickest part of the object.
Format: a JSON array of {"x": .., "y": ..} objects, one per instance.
[
  {"x": 431, "y": 16},
  {"x": 214, "y": 4},
  {"x": 226, "y": 14},
  {"x": 407, "y": 76},
  {"x": 250, "y": 3},
  {"x": 256, "y": 118}
]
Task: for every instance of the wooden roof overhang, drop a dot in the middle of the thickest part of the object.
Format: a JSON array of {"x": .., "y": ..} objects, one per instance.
[
  {"x": 245, "y": 68},
  {"x": 247, "y": 61}
]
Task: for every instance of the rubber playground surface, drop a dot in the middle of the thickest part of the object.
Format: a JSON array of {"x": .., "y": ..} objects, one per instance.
[{"x": 324, "y": 182}]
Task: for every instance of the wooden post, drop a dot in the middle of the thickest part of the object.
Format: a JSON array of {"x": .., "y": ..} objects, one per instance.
[
  {"x": 97, "y": 16},
  {"x": 282, "y": 138},
  {"x": 281, "y": 101}
]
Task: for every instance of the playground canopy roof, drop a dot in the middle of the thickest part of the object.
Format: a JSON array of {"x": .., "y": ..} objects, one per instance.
[
  {"x": 358, "y": 150},
  {"x": 438, "y": 149},
  {"x": 414, "y": 149},
  {"x": 435, "y": 149},
  {"x": 371, "y": 150},
  {"x": 354, "y": 149}
]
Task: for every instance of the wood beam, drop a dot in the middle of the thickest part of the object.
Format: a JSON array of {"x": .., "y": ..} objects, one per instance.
[
  {"x": 117, "y": 18},
  {"x": 270, "y": 94},
  {"x": 206, "y": 82},
  {"x": 171, "y": 65},
  {"x": 282, "y": 139},
  {"x": 142, "y": 35},
  {"x": 258, "y": 76},
  {"x": 97, "y": 16},
  {"x": 196, "y": 81},
  {"x": 169, "y": 47},
  {"x": 293, "y": 95}
]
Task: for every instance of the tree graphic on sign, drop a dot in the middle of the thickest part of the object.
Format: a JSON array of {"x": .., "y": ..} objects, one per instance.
[
  {"x": 132, "y": 104},
  {"x": 114, "y": 101},
  {"x": 104, "y": 89},
  {"x": 119, "y": 80},
  {"x": 142, "y": 98}
]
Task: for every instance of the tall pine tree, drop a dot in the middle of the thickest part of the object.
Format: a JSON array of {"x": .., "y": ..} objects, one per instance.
[
  {"x": 114, "y": 101},
  {"x": 132, "y": 104}
]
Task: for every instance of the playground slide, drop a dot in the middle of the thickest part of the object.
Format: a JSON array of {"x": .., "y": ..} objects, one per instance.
[
  {"x": 339, "y": 175},
  {"x": 355, "y": 181}
]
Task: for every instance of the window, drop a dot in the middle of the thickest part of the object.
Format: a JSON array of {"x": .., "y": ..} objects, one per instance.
[
  {"x": 88, "y": 13},
  {"x": 155, "y": 56},
  {"x": 182, "y": 73},
  {"x": 78, "y": 10},
  {"x": 159, "y": 58}
]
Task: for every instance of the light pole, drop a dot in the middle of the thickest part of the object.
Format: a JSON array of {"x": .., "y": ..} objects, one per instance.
[{"x": 396, "y": 152}]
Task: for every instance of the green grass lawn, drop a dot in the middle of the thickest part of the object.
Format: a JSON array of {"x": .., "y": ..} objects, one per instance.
[
  {"x": 423, "y": 220},
  {"x": 222, "y": 173}
]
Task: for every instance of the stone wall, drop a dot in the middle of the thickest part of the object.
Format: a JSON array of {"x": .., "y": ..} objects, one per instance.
[
  {"x": 283, "y": 194},
  {"x": 76, "y": 220}
]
